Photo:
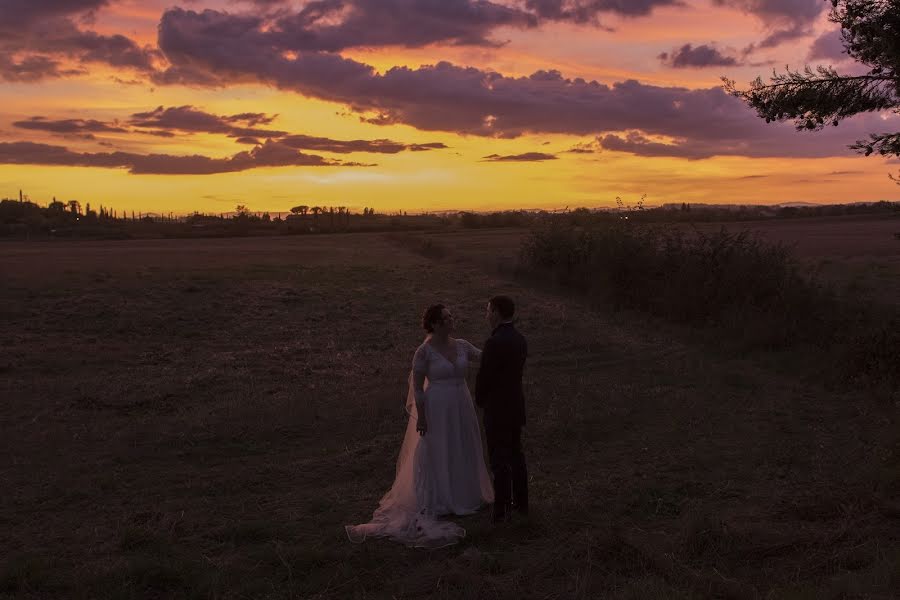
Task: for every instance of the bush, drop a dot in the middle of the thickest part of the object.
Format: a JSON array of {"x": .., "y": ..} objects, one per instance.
[
  {"x": 686, "y": 276},
  {"x": 733, "y": 281}
]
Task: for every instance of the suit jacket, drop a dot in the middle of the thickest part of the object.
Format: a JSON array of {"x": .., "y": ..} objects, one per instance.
[{"x": 498, "y": 386}]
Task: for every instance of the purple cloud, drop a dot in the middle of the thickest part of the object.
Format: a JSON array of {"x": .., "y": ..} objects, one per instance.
[
  {"x": 33, "y": 67},
  {"x": 19, "y": 13},
  {"x": 306, "y": 142},
  {"x": 785, "y": 19},
  {"x": 39, "y": 34},
  {"x": 335, "y": 25},
  {"x": 189, "y": 119},
  {"x": 587, "y": 11},
  {"x": 829, "y": 47},
  {"x": 701, "y": 56},
  {"x": 166, "y": 122},
  {"x": 781, "y": 141},
  {"x": 591, "y": 147},
  {"x": 67, "y": 126},
  {"x": 526, "y": 157},
  {"x": 271, "y": 154}
]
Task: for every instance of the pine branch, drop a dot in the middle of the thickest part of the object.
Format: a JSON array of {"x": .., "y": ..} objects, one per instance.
[
  {"x": 839, "y": 78},
  {"x": 881, "y": 143},
  {"x": 814, "y": 98}
]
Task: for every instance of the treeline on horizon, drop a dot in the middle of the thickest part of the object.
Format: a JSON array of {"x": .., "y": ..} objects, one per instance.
[{"x": 25, "y": 218}]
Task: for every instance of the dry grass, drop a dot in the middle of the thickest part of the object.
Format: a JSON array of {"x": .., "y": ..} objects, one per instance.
[{"x": 200, "y": 419}]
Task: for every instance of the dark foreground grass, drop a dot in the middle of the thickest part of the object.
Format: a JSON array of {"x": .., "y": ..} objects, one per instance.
[{"x": 204, "y": 427}]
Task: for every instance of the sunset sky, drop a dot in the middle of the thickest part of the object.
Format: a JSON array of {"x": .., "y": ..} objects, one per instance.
[{"x": 200, "y": 105}]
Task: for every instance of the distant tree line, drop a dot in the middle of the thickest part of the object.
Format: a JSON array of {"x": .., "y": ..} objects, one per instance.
[
  {"x": 683, "y": 212},
  {"x": 25, "y": 218}
]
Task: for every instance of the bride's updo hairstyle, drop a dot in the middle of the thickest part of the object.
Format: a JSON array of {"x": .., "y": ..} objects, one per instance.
[{"x": 432, "y": 315}]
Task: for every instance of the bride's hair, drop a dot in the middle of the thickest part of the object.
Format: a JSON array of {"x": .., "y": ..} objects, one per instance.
[{"x": 432, "y": 314}]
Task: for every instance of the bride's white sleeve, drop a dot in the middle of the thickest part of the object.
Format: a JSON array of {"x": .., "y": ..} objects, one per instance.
[
  {"x": 417, "y": 376},
  {"x": 473, "y": 352}
]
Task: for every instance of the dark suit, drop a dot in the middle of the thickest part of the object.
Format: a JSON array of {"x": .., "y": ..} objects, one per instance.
[{"x": 498, "y": 390}]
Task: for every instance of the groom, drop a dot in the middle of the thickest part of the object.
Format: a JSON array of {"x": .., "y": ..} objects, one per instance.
[{"x": 498, "y": 390}]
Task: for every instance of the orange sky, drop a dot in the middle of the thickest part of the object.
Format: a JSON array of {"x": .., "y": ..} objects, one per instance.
[{"x": 93, "y": 164}]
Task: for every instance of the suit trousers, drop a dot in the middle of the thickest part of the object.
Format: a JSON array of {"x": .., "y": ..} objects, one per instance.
[{"x": 504, "y": 444}]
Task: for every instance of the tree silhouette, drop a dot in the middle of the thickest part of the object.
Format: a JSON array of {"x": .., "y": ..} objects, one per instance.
[
  {"x": 74, "y": 206},
  {"x": 814, "y": 98},
  {"x": 300, "y": 210}
]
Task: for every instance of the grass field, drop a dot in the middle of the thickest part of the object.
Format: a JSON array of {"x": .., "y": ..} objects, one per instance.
[{"x": 200, "y": 418}]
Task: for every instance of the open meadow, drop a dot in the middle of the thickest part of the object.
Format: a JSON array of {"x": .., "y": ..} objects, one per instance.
[{"x": 200, "y": 419}]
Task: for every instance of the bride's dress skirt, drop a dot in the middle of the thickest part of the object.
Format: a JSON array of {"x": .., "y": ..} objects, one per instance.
[{"x": 440, "y": 473}]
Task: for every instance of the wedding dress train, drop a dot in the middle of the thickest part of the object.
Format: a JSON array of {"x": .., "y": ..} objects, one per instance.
[{"x": 442, "y": 472}]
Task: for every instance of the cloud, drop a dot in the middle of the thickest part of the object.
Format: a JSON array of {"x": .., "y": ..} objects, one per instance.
[
  {"x": 336, "y": 25},
  {"x": 31, "y": 68},
  {"x": 785, "y": 20},
  {"x": 382, "y": 146},
  {"x": 271, "y": 154},
  {"x": 829, "y": 142},
  {"x": 265, "y": 3},
  {"x": 157, "y": 133},
  {"x": 829, "y": 46},
  {"x": 193, "y": 120},
  {"x": 36, "y": 37},
  {"x": 697, "y": 56},
  {"x": 591, "y": 147},
  {"x": 67, "y": 126},
  {"x": 586, "y": 11},
  {"x": 23, "y": 13},
  {"x": 639, "y": 144},
  {"x": 190, "y": 119},
  {"x": 167, "y": 122},
  {"x": 526, "y": 157},
  {"x": 333, "y": 25}
]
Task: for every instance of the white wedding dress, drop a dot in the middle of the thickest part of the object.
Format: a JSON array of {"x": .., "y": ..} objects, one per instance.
[{"x": 442, "y": 472}]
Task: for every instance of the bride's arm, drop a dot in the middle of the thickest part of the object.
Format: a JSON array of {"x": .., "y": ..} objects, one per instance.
[
  {"x": 473, "y": 353},
  {"x": 420, "y": 368},
  {"x": 419, "y": 391}
]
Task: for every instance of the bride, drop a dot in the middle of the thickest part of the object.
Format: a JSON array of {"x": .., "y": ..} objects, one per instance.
[{"x": 440, "y": 470}]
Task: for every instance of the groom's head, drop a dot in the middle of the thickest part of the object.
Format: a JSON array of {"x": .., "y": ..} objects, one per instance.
[{"x": 500, "y": 309}]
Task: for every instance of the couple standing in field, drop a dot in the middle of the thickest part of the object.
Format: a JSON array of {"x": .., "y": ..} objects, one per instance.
[{"x": 441, "y": 469}]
